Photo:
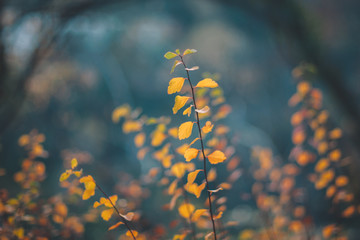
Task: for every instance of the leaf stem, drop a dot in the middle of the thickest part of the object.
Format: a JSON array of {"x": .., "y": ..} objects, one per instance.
[
  {"x": 202, "y": 146},
  {"x": 118, "y": 212}
]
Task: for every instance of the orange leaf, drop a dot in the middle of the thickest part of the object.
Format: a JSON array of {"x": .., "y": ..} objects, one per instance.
[
  {"x": 175, "y": 85},
  {"x": 140, "y": 139},
  {"x": 208, "y": 127},
  {"x": 192, "y": 176},
  {"x": 186, "y": 209},
  {"x": 216, "y": 157},
  {"x": 180, "y": 101},
  {"x": 190, "y": 154},
  {"x": 207, "y": 82},
  {"x": 115, "y": 226},
  {"x": 106, "y": 214},
  {"x": 197, "y": 214},
  {"x": 135, "y": 233},
  {"x": 185, "y": 130}
]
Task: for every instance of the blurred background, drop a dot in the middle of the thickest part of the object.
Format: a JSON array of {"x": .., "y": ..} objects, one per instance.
[{"x": 65, "y": 65}]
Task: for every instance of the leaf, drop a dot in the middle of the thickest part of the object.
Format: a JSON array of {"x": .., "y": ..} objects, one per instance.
[
  {"x": 129, "y": 216},
  {"x": 211, "y": 175},
  {"x": 192, "y": 69},
  {"x": 179, "y": 237},
  {"x": 74, "y": 163},
  {"x": 197, "y": 214},
  {"x": 175, "y": 85},
  {"x": 219, "y": 215},
  {"x": 207, "y": 82},
  {"x": 139, "y": 139},
  {"x": 115, "y": 226},
  {"x": 216, "y": 190},
  {"x": 177, "y": 51},
  {"x": 208, "y": 127},
  {"x": 216, "y": 157},
  {"x": 65, "y": 175},
  {"x": 185, "y": 130},
  {"x": 189, "y": 51},
  {"x": 194, "y": 141},
  {"x": 131, "y": 126},
  {"x": 190, "y": 154},
  {"x": 87, "y": 194},
  {"x": 186, "y": 209},
  {"x": 106, "y": 214},
  {"x": 176, "y": 63},
  {"x": 178, "y": 169},
  {"x": 120, "y": 112},
  {"x": 112, "y": 200},
  {"x": 172, "y": 187},
  {"x": 209, "y": 236},
  {"x": 187, "y": 111},
  {"x": 198, "y": 190},
  {"x": 180, "y": 101},
  {"x": 173, "y": 132},
  {"x": 170, "y": 55},
  {"x": 203, "y": 110},
  {"x": 192, "y": 176},
  {"x": 135, "y": 233}
]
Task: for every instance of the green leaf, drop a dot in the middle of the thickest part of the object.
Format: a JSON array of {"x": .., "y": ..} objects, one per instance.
[
  {"x": 170, "y": 55},
  {"x": 189, "y": 51}
]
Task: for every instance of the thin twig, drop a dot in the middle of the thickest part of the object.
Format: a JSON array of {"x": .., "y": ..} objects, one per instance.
[{"x": 202, "y": 147}]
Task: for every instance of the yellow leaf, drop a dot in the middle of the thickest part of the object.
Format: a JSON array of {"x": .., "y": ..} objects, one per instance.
[
  {"x": 187, "y": 111},
  {"x": 135, "y": 233},
  {"x": 140, "y": 139},
  {"x": 172, "y": 187},
  {"x": 185, "y": 130},
  {"x": 170, "y": 55},
  {"x": 19, "y": 233},
  {"x": 179, "y": 237},
  {"x": 120, "y": 112},
  {"x": 176, "y": 63},
  {"x": 74, "y": 163},
  {"x": 65, "y": 175},
  {"x": 106, "y": 214},
  {"x": 211, "y": 175},
  {"x": 96, "y": 204},
  {"x": 115, "y": 226},
  {"x": 113, "y": 200},
  {"x": 190, "y": 154},
  {"x": 208, "y": 127},
  {"x": 175, "y": 85},
  {"x": 88, "y": 193},
  {"x": 173, "y": 132},
  {"x": 180, "y": 101},
  {"x": 77, "y": 173},
  {"x": 178, "y": 169},
  {"x": 186, "y": 209},
  {"x": 216, "y": 157},
  {"x": 207, "y": 82},
  {"x": 189, "y": 51},
  {"x": 192, "y": 176},
  {"x": 197, "y": 214},
  {"x": 158, "y": 138},
  {"x": 199, "y": 189},
  {"x": 131, "y": 126}
]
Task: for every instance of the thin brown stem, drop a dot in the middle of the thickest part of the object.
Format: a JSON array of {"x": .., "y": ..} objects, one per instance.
[
  {"x": 202, "y": 147},
  {"x": 113, "y": 205}
]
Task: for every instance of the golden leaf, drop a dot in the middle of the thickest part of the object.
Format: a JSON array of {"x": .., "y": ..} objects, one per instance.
[
  {"x": 186, "y": 209},
  {"x": 216, "y": 157},
  {"x": 131, "y": 126},
  {"x": 207, "y": 82},
  {"x": 190, "y": 154},
  {"x": 197, "y": 214},
  {"x": 180, "y": 101},
  {"x": 208, "y": 127},
  {"x": 120, "y": 112},
  {"x": 139, "y": 139},
  {"x": 178, "y": 169},
  {"x": 185, "y": 130},
  {"x": 135, "y": 233},
  {"x": 74, "y": 163},
  {"x": 189, "y": 51},
  {"x": 106, "y": 214},
  {"x": 187, "y": 111},
  {"x": 175, "y": 85},
  {"x": 65, "y": 175},
  {"x": 192, "y": 176}
]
